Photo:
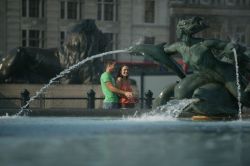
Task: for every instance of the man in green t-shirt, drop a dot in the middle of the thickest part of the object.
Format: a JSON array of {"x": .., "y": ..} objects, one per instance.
[{"x": 109, "y": 88}]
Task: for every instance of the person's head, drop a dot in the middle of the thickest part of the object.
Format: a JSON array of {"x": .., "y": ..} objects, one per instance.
[
  {"x": 123, "y": 72},
  {"x": 110, "y": 65}
]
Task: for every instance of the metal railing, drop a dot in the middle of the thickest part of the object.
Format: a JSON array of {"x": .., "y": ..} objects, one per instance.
[{"x": 91, "y": 99}]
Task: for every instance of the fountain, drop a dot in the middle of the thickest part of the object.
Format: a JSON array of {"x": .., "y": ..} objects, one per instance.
[
  {"x": 156, "y": 138},
  {"x": 215, "y": 82}
]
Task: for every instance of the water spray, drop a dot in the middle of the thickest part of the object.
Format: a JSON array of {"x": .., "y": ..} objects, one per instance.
[
  {"x": 170, "y": 111},
  {"x": 24, "y": 109},
  {"x": 238, "y": 83}
]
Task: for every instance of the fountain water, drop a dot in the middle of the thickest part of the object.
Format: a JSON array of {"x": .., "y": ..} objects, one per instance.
[
  {"x": 238, "y": 83},
  {"x": 24, "y": 109},
  {"x": 169, "y": 111}
]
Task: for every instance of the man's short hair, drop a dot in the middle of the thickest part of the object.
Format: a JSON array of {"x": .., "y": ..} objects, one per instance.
[{"x": 108, "y": 62}]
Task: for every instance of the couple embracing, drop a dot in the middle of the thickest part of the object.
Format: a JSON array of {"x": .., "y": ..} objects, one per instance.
[{"x": 118, "y": 93}]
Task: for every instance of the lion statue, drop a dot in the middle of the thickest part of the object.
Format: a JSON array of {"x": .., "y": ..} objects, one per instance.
[{"x": 37, "y": 65}]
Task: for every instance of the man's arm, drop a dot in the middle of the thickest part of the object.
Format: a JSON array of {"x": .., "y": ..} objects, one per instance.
[{"x": 118, "y": 91}]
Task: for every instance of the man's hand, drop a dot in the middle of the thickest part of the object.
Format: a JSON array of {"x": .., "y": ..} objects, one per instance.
[
  {"x": 118, "y": 91},
  {"x": 128, "y": 94}
]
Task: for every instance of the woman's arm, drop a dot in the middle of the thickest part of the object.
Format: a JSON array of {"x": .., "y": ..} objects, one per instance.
[{"x": 118, "y": 82}]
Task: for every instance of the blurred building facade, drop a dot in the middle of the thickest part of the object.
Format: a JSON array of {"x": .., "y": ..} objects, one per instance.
[{"x": 44, "y": 23}]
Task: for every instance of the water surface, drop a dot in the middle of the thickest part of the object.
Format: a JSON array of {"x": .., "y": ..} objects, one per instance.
[{"x": 33, "y": 141}]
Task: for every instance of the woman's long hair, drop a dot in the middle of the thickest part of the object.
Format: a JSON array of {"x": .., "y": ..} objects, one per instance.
[{"x": 119, "y": 74}]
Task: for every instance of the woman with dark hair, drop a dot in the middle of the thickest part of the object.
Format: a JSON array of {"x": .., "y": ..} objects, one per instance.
[{"x": 123, "y": 83}]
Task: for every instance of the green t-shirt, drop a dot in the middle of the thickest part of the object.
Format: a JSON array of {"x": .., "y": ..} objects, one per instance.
[{"x": 109, "y": 96}]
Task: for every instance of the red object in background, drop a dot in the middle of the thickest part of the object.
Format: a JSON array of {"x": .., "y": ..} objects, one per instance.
[{"x": 183, "y": 65}]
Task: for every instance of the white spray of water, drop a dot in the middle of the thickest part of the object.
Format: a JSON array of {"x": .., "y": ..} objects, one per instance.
[
  {"x": 169, "y": 111},
  {"x": 63, "y": 73},
  {"x": 141, "y": 39},
  {"x": 237, "y": 83}
]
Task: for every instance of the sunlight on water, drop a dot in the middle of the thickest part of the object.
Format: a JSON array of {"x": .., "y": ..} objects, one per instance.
[
  {"x": 62, "y": 74},
  {"x": 167, "y": 112}
]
